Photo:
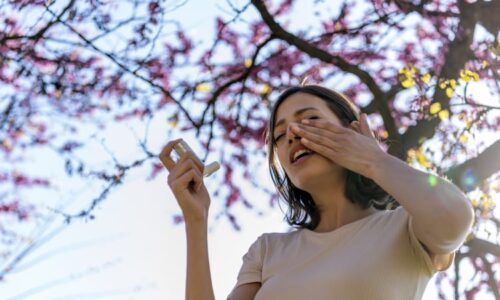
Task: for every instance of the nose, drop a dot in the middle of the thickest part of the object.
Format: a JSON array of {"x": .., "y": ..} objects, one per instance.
[{"x": 290, "y": 135}]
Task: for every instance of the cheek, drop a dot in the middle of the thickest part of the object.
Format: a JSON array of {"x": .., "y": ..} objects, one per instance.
[{"x": 281, "y": 156}]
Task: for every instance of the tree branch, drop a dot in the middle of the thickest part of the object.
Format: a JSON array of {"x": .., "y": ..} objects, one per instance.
[
  {"x": 459, "y": 53},
  {"x": 39, "y": 34},
  {"x": 488, "y": 16},
  {"x": 127, "y": 69},
  {"x": 491, "y": 278},
  {"x": 379, "y": 97},
  {"x": 475, "y": 170},
  {"x": 479, "y": 247}
]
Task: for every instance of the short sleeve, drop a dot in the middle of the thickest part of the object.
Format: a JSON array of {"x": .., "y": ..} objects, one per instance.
[
  {"x": 417, "y": 247},
  {"x": 422, "y": 253},
  {"x": 251, "y": 270}
]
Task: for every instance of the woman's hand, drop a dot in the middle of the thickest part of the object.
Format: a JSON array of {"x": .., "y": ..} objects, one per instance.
[
  {"x": 353, "y": 148},
  {"x": 185, "y": 179}
]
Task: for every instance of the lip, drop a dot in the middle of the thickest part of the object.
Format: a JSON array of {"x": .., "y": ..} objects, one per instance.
[
  {"x": 302, "y": 160},
  {"x": 295, "y": 149}
]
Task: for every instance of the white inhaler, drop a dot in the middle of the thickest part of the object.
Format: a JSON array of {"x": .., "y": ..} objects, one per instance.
[{"x": 182, "y": 147}]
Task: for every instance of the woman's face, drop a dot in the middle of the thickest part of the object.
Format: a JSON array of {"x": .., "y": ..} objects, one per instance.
[{"x": 304, "y": 173}]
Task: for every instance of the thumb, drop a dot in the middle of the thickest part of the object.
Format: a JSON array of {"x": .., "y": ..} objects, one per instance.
[{"x": 365, "y": 126}]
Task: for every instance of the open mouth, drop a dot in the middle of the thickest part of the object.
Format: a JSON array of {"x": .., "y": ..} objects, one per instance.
[{"x": 302, "y": 157}]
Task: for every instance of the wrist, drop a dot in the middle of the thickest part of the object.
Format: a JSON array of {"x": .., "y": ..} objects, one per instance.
[
  {"x": 380, "y": 165},
  {"x": 200, "y": 224}
]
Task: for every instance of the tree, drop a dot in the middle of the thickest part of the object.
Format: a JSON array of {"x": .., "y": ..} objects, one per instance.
[{"x": 410, "y": 65}]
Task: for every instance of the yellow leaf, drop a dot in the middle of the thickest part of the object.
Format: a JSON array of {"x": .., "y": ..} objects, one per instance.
[
  {"x": 425, "y": 78},
  {"x": 464, "y": 76},
  {"x": 408, "y": 71},
  {"x": 475, "y": 76},
  {"x": 435, "y": 108},
  {"x": 248, "y": 63},
  {"x": 203, "y": 87},
  {"x": 422, "y": 160},
  {"x": 467, "y": 75},
  {"x": 463, "y": 138},
  {"x": 475, "y": 202},
  {"x": 408, "y": 83},
  {"x": 444, "y": 114},
  {"x": 485, "y": 64},
  {"x": 486, "y": 204},
  {"x": 449, "y": 92},
  {"x": 453, "y": 83},
  {"x": 172, "y": 124},
  {"x": 265, "y": 89},
  {"x": 443, "y": 83}
]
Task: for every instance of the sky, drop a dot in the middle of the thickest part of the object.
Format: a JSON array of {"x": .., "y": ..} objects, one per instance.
[{"x": 132, "y": 250}]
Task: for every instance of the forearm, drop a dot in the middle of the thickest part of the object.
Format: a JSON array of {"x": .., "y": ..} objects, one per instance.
[
  {"x": 435, "y": 204},
  {"x": 198, "y": 278}
]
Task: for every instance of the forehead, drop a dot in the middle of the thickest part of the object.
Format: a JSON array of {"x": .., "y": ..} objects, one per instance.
[{"x": 300, "y": 101}]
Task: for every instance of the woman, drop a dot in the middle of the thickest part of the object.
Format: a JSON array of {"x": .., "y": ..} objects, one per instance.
[{"x": 336, "y": 180}]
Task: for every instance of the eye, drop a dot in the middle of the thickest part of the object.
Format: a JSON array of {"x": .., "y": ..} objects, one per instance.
[
  {"x": 281, "y": 135},
  {"x": 278, "y": 137}
]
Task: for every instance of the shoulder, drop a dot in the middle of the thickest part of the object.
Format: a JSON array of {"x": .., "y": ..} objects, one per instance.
[
  {"x": 271, "y": 239},
  {"x": 278, "y": 236}
]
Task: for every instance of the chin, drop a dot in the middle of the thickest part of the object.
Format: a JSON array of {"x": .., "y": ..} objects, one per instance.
[{"x": 309, "y": 180}]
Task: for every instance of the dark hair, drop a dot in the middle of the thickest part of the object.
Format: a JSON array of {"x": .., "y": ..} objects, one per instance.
[{"x": 302, "y": 211}]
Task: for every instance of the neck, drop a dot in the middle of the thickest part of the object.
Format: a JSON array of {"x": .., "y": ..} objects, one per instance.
[{"x": 335, "y": 209}]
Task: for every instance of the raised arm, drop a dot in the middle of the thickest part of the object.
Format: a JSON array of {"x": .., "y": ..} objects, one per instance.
[
  {"x": 442, "y": 216},
  {"x": 198, "y": 278},
  {"x": 186, "y": 182}
]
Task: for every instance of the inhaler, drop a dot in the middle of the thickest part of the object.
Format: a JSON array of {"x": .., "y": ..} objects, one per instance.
[{"x": 182, "y": 147}]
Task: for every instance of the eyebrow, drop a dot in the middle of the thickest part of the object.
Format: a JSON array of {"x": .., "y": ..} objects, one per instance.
[{"x": 298, "y": 112}]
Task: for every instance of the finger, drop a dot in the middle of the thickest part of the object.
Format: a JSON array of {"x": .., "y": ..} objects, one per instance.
[
  {"x": 317, "y": 131},
  {"x": 180, "y": 172},
  {"x": 169, "y": 163},
  {"x": 192, "y": 157},
  {"x": 321, "y": 137},
  {"x": 323, "y": 150},
  {"x": 365, "y": 126},
  {"x": 190, "y": 178},
  {"x": 165, "y": 158},
  {"x": 184, "y": 165},
  {"x": 308, "y": 123}
]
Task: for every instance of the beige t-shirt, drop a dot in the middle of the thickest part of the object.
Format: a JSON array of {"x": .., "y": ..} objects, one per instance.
[{"x": 377, "y": 257}]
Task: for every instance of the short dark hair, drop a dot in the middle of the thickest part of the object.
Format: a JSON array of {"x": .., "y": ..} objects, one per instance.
[{"x": 302, "y": 211}]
